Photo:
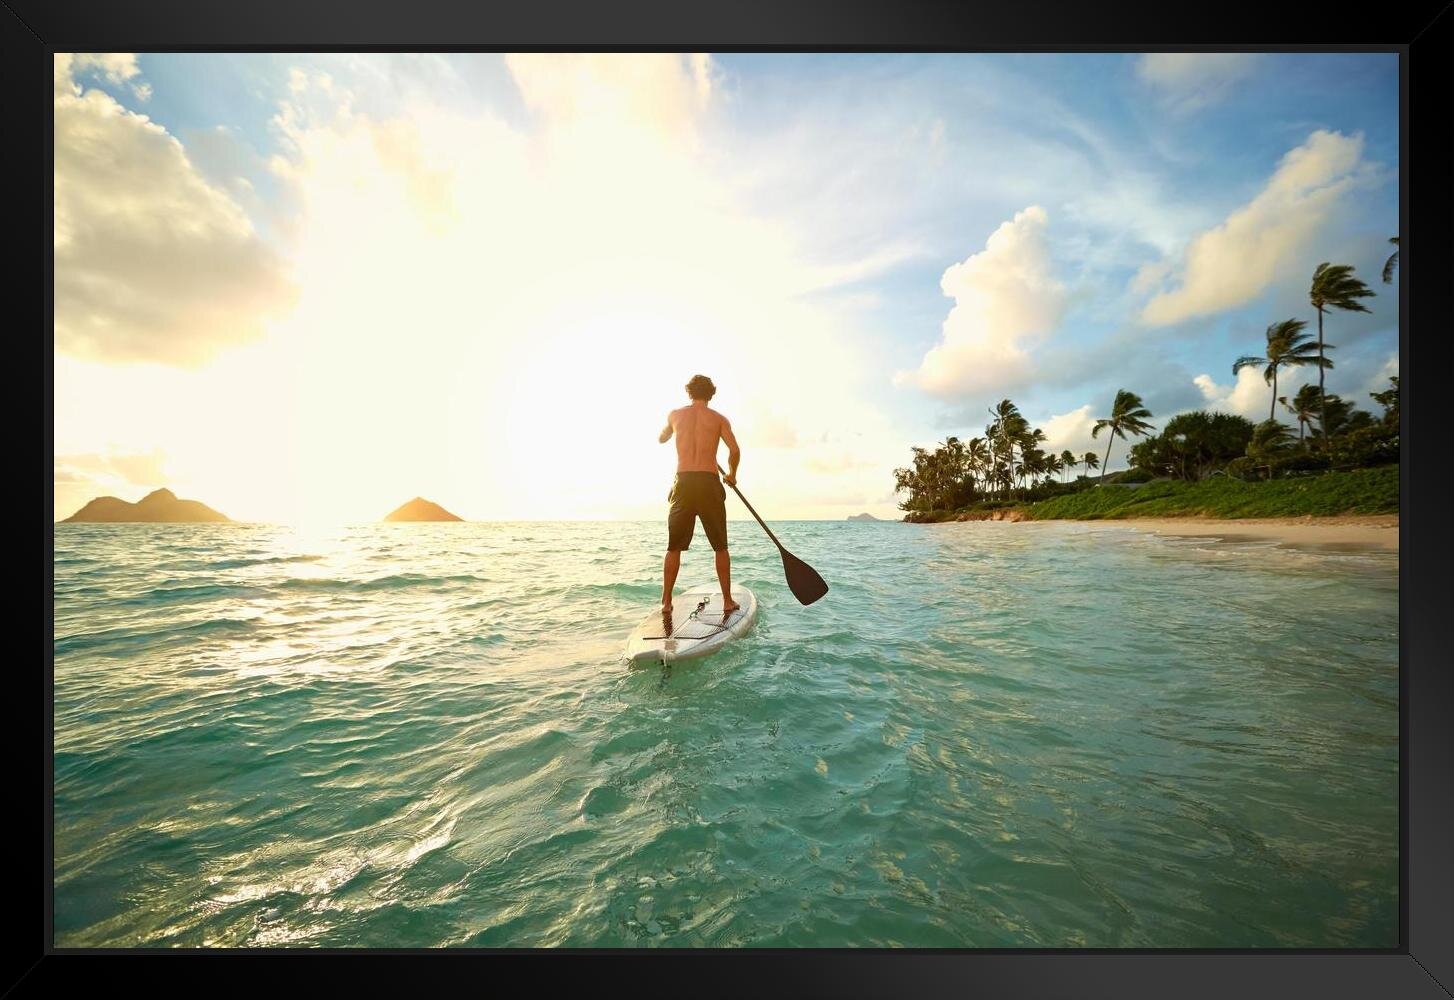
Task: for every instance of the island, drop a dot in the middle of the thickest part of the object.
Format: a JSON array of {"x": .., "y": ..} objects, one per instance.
[
  {"x": 157, "y": 507},
  {"x": 862, "y": 517},
  {"x": 420, "y": 509}
]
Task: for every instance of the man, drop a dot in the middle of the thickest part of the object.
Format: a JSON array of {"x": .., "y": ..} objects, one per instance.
[{"x": 696, "y": 492}]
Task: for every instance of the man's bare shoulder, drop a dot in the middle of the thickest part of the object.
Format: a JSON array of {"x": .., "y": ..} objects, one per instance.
[{"x": 719, "y": 415}]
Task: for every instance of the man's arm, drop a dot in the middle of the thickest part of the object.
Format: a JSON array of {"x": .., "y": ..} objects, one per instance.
[
  {"x": 665, "y": 431},
  {"x": 734, "y": 453}
]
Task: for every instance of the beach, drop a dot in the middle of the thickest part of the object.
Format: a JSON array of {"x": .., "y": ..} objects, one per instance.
[{"x": 1379, "y": 531}]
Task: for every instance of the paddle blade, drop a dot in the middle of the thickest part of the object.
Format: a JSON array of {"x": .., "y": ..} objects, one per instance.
[{"x": 803, "y": 580}]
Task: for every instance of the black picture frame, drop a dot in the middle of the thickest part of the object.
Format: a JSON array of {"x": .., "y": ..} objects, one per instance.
[{"x": 1421, "y": 33}]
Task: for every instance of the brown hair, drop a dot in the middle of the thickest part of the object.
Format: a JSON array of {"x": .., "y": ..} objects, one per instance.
[{"x": 701, "y": 387}]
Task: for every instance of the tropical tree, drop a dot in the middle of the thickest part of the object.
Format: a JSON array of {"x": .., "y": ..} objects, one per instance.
[
  {"x": 977, "y": 455},
  {"x": 1007, "y": 426},
  {"x": 1388, "y": 399},
  {"x": 1342, "y": 417},
  {"x": 1270, "y": 441},
  {"x": 1090, "y": 461},
  {"x": 1304, "y": 406},
  {"x": 1392, "y": 263},
  {"x": 1128, "y": 415},
  {"x": 1287, "y": 347},
  {"x": 1333, "y": 287},
  {"x": 1068, "y": 460},
  {"x": 1193, "y": 444}
]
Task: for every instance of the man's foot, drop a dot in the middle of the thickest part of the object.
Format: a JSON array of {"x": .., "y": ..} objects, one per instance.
[{"x": 729, "y": 606}]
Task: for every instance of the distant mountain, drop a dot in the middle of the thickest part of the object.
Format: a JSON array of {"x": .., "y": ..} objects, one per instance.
[
  {"x": 863, "y": 517},
  {"x": 420, "y": 509},
  {"x": 159, "y": 506}
]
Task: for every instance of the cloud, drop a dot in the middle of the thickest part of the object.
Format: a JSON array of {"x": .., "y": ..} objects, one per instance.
[
  {"x": 1190, "y": 80},
  {"x": 1070, "y": 431},
  {"x": 152, "y": 263},
  {"x": 141, "y": 469},
  {"x": 1266, "y": 240},
  {"x": 1249, "y": 395},
  {"x": 1005, "y": 301},
  {"x": 117, "y": 68},
  {"x": 469, "y": 282},
  {"x": 662, "y": 92}
]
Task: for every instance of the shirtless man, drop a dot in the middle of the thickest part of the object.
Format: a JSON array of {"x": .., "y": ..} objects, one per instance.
[{"x": 696, "y": 492}]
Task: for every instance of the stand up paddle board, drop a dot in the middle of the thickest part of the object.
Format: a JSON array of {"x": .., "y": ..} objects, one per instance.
[{"x": 696, "y": 627}]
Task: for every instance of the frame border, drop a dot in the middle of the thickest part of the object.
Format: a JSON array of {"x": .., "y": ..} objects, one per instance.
[{"x": 1423, "y": 35}]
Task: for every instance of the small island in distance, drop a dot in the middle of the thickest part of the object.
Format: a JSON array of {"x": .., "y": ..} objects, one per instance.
[
  {"x": 158, "y": 506},
  {"x": 420, "y": 509},
  {"x": 863, "y": 517}
]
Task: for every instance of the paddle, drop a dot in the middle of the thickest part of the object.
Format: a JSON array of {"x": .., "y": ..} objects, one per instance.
[{"x": 803, "y": 580}]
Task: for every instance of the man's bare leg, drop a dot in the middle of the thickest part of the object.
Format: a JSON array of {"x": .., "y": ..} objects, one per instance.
[
  {"x": 669, "y": 568},
  {"x": 724, "y": 574}
]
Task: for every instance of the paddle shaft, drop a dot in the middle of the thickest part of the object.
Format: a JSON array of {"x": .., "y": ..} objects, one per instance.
[{"x": 752, "y": 512}]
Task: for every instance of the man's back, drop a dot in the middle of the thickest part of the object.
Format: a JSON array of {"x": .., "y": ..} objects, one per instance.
[{"x": 698, "y": 429}]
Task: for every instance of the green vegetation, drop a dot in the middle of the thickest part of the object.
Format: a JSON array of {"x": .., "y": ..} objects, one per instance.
[
  {"x": 1341, "y": 460},
  {"x": 1360, "y": 491}
]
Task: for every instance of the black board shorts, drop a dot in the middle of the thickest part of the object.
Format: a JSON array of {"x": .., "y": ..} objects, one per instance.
[{"x": 694, "y": 495}]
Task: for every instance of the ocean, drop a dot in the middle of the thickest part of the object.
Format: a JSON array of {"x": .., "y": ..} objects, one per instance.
[{"x": 986, "y": 735}]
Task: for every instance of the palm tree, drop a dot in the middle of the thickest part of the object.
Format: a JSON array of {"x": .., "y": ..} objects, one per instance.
[
  {"x": 1334, "y": 287},
  {"x": 1068, "y": 460},
  {"x": 1269, "y": 439},
  {"x": 1127, "y": 414},
  {"x": 1287, "y": 346},
  {"x": 1054, "y": 466},
  {"x": 1304, "y": 406},
  {"x": 1008, "y": 425},
  {"x": 1391, "y": 263},
  {"x": 1090, "y": 461},
  {"x": 977, "y": 456}
]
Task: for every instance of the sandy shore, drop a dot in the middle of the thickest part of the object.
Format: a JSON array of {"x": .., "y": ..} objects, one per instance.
[{"x": 1346, "y": 531}]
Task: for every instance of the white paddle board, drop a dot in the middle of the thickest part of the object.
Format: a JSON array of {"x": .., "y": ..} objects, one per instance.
[{"x": 696, "y": 628}]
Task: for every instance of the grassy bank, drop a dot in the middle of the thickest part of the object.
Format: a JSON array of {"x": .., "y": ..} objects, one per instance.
[{"x": 1359, "y": 491}]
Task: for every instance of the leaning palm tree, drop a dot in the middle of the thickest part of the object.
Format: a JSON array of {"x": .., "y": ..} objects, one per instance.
[
  {"x": 1287, "y": 347},
  {"x": 1008, "y": 425},
  {"x": 1304, "y": 406},
  {"x": 978, "y": 458},
  {"x": 1068, "y": 460},
  {"x": 1127, "y": 415},
  {"x": 1334, "y": 287},
  {"x": 1392, "y": 262},
  {"x": 1090, "y": 461}
]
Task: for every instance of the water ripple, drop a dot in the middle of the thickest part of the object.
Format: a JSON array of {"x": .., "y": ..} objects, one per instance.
[{"x": 986, "y": 735}]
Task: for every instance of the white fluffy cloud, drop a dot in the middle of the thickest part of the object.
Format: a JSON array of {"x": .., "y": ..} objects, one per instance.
[
  {"x": 1190, "y": 80},
  {"x": 662, "y": 92},
  {"x": 1071, "y": 431},
  {"x": 470, "y": 287},
  {"x": 1263, "y": 242},
  {"x": 1006, "y": 299},
  {"x": 152, "y": 263},
  {"x": 1249, "y": 395}
]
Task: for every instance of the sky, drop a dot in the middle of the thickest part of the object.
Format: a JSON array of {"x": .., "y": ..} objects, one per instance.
[{"x": 304, "y": 288}]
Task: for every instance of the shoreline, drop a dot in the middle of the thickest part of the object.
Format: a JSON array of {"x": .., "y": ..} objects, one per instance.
[
  {"x": 1335, "y": 531},
  {"x": 1353, "y": 531}
]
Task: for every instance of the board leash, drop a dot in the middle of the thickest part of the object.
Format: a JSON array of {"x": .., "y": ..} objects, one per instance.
[{"x": 693, "y": 618}]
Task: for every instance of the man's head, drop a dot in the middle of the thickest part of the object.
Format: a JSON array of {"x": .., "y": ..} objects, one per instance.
[{"x": 701, "y": 387}]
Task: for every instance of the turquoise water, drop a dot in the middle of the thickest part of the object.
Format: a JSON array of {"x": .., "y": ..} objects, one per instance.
[{"x": 986, "y": 735}]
